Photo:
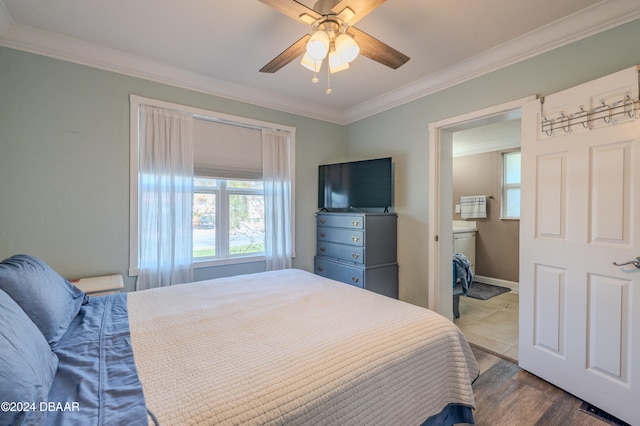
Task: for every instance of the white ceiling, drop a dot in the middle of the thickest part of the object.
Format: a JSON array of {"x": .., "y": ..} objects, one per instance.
[
  {"x": 218, "y": 46},
  {"x": 501, "y": 134}
]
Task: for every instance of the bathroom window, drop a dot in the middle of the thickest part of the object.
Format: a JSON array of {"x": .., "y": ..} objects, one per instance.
[{"x": 511, "y": 185}]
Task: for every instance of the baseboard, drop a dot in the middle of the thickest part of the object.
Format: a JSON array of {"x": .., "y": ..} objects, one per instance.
[{"x": 514, "y": 286}]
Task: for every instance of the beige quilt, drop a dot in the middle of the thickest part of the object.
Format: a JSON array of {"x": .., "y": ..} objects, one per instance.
[{"x": 291, "y": 348}]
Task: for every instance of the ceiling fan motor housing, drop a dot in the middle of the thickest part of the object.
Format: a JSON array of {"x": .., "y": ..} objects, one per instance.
[{"x": 324, "y": 7}]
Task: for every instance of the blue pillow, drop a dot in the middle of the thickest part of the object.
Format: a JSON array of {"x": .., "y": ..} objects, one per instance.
[
  {"x": 47, "y": 298},
  {"x": 27, "y": 365}
]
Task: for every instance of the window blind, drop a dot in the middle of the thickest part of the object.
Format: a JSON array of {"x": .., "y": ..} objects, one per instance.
[{"x": 226, "y": 151}]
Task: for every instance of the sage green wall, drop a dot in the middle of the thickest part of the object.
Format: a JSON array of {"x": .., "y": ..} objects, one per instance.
[
  {"x": 403, "y": 132},
  {"x": 64, "y": 163},
  {"x": 64, "y": 151}
]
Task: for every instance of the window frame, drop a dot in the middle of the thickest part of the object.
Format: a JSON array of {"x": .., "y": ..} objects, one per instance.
[
  {"x": 506, "y": 186},
  {"x": 135, "y": 102},
  {"x": 223, "y": 242}
]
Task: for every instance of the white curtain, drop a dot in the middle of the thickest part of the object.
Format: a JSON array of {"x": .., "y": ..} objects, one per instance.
[
  {"x": 278, "y": 196},
  {"x": 165, "y": 183}
]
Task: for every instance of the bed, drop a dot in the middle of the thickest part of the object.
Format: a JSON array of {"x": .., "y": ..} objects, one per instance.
[{"x": 283, "y": 347}]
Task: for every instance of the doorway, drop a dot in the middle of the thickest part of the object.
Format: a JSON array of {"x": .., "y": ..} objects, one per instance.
[
  {"x": 485, "y": 162},
  {"x": 442, "y": 212}
]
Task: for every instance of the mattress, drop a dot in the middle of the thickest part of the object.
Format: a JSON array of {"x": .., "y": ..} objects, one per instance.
[{"x": 290, "y": 347}]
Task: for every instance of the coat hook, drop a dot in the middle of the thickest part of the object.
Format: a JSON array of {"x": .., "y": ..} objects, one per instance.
[
  {"x": 544, "y": 121},
  {"x": 563, "y": 118},
  {"x": 584, "y": 113},
  {"x": 608, "y": 118}
]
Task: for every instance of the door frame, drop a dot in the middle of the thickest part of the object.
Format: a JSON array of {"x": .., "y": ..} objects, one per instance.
[{"x": 439, "y": 275}]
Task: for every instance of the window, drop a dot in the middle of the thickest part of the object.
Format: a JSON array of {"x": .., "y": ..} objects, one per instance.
[
  {"x": 239, "y": 230},
  {"x": 228, "y": 199},
  {"x": 511, "y": 185},
  {"x": 228, "y": 216}
]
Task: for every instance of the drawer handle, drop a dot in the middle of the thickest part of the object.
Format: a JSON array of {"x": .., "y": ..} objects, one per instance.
[
  {"x": 355, "y": 279},
  {"x": 322, "y": 249},
  {"x": 355, "y": 255},
  {"x": 355, "y": 222},
  {"x": 322, "y": 221},
  {"x": 319, "y": 268},
  {"x": 322, "y": 235},
  {"x": 355, "y": 238}
]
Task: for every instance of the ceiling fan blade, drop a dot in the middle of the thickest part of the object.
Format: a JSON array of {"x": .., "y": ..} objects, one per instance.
[
  {"x": 374, "y": 49},
  {"x": 292, "y": 52},
  {"x": 293, "y": 9},
  {"x": 361, "y": 8}
]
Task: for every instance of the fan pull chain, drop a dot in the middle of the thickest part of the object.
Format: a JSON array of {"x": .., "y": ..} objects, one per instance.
[
  {"x": 328, "y": 80},
  {"x": 315, "y": 73}
]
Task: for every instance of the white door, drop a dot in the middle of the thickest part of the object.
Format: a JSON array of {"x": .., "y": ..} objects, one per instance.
[{"x": 579, "y": 313}]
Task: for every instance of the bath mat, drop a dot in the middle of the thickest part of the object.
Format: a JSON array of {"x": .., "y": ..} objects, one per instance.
[{"x": 484, "y": 291}]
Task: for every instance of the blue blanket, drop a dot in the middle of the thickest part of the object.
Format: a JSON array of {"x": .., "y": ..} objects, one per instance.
[
  {"x": 452, "y": 414},
  {"x": 97, "y": 381}
]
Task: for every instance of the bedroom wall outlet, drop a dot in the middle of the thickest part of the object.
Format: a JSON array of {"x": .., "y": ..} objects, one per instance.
[{"x": 457, "y": 208}]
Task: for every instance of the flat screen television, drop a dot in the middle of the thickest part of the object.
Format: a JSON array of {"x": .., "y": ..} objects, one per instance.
[{"x": 366, "y": 184}]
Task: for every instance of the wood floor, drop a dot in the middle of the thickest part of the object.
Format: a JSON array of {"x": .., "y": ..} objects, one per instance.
[
  {"x": 507, "y": 395},
  {"x": 504, "y": 393}
]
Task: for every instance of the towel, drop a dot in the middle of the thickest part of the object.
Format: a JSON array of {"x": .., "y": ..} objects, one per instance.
[
  {"x": 462, "y": 271},
  {"x": 473, "y": 206}
]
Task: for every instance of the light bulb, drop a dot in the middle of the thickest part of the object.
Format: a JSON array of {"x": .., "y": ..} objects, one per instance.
[
  {"x": 347, "y": 48},
  {"x": 335, "y": 63},
  {"x": 311, "y": 64},
  {"x": 318, "y": 45}
]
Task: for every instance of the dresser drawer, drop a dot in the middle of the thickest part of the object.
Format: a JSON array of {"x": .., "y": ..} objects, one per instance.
[
  {"x": 341, "y": 251},
  {"x": 344, "y": 273},
  {"x": 341, "y": 221},
  {"x": 341, "y": 235}
]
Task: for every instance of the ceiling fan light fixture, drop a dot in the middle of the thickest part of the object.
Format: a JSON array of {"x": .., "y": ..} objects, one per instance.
[
  {"x": 311, "y": 64},
  {"x": 318, "y": 45},
  {"x": 332, "y": 31},
  {"x": 347, "y": 48},
  {"x": 336, "y": 64}
]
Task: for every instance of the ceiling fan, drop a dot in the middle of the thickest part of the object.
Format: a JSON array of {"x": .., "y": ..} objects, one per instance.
[{"x": 333, "y": 36}]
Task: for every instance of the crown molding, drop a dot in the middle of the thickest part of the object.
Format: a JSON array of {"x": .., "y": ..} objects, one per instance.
[
  {"x": 593, "y": 20},
  {"x": 53, "y": 45},
  {"x": 484, "y": 147},
  {"x": 600, "y": 17}
]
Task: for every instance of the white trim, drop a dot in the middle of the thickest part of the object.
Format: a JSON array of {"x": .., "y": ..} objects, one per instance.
[
  {"x": 433, "y": 270},
  {"x": 439, "y": 279},
  {"x": 472, "y": 119},
  {"x": 600, "y": 17},
  {"x": 140, "y": 100},
  {"x": 198, "y": 264},
  {"x": 81, "y": 52},
  {"x": 133, "y": 186},
  {"x": 135, "y": 101}
]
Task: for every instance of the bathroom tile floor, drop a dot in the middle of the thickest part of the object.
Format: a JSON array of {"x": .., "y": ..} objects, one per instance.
[{"x": 491, "y": 324}]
